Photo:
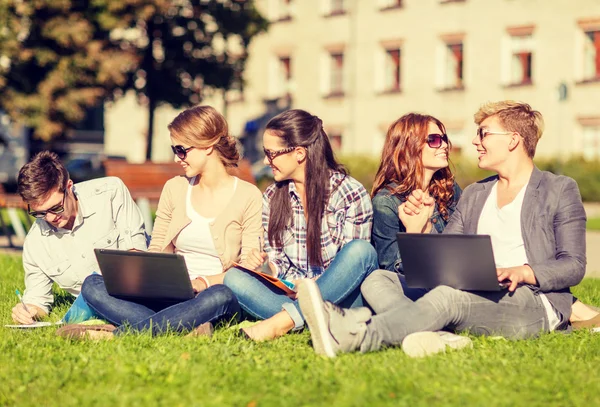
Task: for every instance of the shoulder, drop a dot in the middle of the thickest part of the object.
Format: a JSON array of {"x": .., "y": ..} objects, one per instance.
[
  {"x": 98, "y": 186},
  {"x": 385, "y": 198},
  {"x": 270, "y": 191},
  {"x": 556, "y": 183},
  {"x": 479, "y": 185},
  {"x": 248, "y": 190},
  {"x": 347, "y": 186}
]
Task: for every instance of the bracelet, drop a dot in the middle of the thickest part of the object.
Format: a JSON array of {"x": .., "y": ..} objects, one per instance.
[{"x": 206, "y": 282}]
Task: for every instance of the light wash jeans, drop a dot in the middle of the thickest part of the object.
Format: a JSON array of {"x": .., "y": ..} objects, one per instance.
[
  {"x": 516, "y": 315},
  {"x": 340, "y": 284},
  {"x": 211, "y": 305}
]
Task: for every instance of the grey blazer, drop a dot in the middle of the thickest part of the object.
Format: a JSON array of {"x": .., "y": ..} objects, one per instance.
[{"x": 553, "y": 229}]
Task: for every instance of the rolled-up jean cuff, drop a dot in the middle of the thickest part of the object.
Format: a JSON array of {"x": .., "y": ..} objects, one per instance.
[{"x": 295, "y": 315}]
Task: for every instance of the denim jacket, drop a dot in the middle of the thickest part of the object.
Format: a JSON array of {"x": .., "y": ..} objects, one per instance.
[{"x": 386, "y": 224}]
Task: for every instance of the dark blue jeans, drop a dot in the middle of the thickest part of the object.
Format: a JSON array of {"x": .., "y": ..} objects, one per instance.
[
  {"x": 211, "y": 305},
  {"x": 340, "y": 284}
]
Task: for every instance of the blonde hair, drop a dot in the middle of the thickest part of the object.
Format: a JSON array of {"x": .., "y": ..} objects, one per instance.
[
  {"x": 518, "y": 117},
  {"x": 203, "y": 126}
]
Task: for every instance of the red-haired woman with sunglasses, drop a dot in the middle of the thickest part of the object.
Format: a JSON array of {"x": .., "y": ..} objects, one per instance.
[
  {"x": 209, "y": 216},
  {"x": 414, "y": 158}
]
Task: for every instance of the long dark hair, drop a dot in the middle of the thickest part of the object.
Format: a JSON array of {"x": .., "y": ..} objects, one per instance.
[
  {"x": 402, "y": 165},
  {"x": 298, "y": 128}
]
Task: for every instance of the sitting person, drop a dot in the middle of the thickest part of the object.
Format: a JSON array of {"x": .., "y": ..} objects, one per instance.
[
  {"x": 317, "y": 223},
  {"x": 71, "y": 221},
  {"x": 208, "y": 216},
  {"x": 414, "y": 157},
  {"x": 536, "y": 222}
]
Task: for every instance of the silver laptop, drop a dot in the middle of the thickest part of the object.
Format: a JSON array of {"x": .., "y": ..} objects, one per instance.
[
  {"x": 460, "y": 261},
  {"x": 145, "y": 276}
]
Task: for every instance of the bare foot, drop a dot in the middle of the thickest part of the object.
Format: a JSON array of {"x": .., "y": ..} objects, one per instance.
[{"x": 274, "y": 327}]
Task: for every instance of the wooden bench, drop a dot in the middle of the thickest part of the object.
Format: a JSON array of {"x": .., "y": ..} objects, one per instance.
[
  {"x": 146, "y": 180},
  {"x": 13, "y": 203}
]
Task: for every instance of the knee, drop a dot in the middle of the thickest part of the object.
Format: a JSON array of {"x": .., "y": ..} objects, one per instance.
[
  {"x": 235, "y": 280},
  {"x": 222, "y": 294},
  {"x": 362, "y": 250},
  {"x": 91, "y": 286},
  {"x": 372, "y": 281}
]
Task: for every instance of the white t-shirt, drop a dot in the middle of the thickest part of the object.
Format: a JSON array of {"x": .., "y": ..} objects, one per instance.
[
  {"x": 504, "y": 227},
  {"x": 195, "y": 241}
]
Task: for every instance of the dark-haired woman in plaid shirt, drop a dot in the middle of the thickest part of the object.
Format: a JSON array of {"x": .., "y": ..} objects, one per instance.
[{"x": 317, "y": 223}]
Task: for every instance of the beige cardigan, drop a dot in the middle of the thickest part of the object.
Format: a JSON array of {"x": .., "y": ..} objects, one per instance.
[{"x": 235, "y": 231}]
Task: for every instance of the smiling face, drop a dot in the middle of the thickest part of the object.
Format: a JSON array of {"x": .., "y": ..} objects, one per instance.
[
  {"x": 434, "y": 158},
  {"x": 494, "y": 149},
  {"x": 288, "y": 165},
  {"x": 54, "y": 200},
  {"x": 195, "y": 158}
]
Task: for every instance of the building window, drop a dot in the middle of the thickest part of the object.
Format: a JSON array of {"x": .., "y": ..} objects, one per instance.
[
  {"x": 280, "y": 76},
  {"x": 521, "y": 60},
  {"x": 591, "y": 55},
  {"x": 591, "y": 141},
  {"x": 335, "y": 138},
  {"x": 452, "y": 75},
  {"x": 392, "y": 70},
  {"x": 334, "y": 7},
  {"x": 280, "y": 10},
  {"x": 389, "y": 4},
  {"x": 335, "y": 74}
]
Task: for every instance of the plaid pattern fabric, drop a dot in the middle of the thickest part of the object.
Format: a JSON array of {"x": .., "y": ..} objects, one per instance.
[{"x": 348, "y": 216}]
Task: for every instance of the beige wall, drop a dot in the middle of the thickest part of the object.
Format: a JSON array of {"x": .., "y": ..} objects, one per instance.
[{"x": 363, "y": 112}]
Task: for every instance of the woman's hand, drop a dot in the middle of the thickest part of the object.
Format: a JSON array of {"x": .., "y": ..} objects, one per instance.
[
  {"x": 255, "y": 259},
  {"x": 415, "y": 213},
  {"x": 198, "y": 285}
]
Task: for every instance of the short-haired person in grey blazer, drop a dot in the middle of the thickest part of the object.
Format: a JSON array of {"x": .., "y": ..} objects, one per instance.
[{"x": 536, "y": 221}]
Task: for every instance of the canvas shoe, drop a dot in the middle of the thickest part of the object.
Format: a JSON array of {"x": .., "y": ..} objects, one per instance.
[
  {"x": 420, "y": 344},
  {"x": 332, "y": 329}
]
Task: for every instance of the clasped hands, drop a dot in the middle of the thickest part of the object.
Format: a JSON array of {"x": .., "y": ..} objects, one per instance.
[{"x": 415, "y": 214}]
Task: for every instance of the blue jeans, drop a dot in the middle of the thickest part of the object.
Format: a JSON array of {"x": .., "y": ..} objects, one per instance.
[
  {"x": 211, "y": 305},
  {"x": 340, "y": 284}
]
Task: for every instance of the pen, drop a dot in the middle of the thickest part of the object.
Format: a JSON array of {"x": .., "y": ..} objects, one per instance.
[
  {"x": 21, "y": 299},
  {"x": 260, "y": 246}
]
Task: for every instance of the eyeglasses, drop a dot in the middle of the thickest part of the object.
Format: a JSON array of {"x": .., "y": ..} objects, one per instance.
[
  {"x": 55, "y": 210},
  {"x": 271, "y": 155},
  {"x": 435, "y": 140},
  {"x": 484, "y": 133},
  {"x": 181, "y": 151}
]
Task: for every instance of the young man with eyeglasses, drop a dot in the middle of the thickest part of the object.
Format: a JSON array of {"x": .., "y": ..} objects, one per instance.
[
  {"x": 536, "y": 221},
  {"x": 71, "y": 221}
]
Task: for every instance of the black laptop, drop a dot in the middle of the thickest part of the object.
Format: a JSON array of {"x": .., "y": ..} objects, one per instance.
[
  {"x": 465, "y": 262},
  {"x": 144, "y": 276}
]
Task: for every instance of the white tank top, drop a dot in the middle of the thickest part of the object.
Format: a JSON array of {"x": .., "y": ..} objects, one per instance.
[{"x": 195, "y": 242}]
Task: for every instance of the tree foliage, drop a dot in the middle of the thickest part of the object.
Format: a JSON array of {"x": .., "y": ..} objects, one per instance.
[{"x": 59, "y": 57}]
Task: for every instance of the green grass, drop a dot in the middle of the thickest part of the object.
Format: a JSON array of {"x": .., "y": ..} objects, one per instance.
[
  {"x": 593, "y": 224},
  {"x": 39, "y": 369}
]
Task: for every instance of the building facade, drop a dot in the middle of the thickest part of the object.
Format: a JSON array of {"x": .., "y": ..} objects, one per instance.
[{"x": 360, "y": 64}]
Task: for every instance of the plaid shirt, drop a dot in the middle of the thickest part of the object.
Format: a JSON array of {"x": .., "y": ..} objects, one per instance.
[{"x": 348, "y": 216}]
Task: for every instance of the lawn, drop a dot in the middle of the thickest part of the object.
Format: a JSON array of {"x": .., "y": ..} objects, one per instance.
[{"x": 40, "y": 369}]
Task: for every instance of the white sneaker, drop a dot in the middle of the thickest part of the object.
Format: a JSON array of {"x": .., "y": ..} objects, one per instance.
[{"x": 420, "y": 344}]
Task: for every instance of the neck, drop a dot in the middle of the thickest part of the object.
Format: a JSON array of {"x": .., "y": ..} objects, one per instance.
[
  {"x": 516, "y": 173},
  {"x": 213, "y": 175},
  {"x": 299, "y": 180},
  {"x": 427, "y": 175}
]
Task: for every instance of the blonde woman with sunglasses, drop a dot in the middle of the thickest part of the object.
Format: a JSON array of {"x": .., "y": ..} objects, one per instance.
[{"x": 210, "y": 217}]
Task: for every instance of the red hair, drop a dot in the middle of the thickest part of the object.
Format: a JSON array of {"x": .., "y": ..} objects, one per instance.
[{"x": 401, "y": 162}]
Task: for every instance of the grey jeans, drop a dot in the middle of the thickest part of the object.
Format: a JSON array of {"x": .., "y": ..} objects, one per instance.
[{"x": 516, "y": 315}]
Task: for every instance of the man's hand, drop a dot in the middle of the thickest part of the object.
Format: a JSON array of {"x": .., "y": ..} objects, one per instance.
[
  {"x": 415, "y": 213},
  {"x": 255, "y": 259},
  {"x": 21, "y": 316},
  {"x": 517, "y": 275}
]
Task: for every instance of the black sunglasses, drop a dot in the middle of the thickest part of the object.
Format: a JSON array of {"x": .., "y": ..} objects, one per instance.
[
  {"x": 435, "y": 140},
  {"x": 181, "y": 151},
  {"x": 271, "y": 155},
  {"x": 55, "y": 210}
]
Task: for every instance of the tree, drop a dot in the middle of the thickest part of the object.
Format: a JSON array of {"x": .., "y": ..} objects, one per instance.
[
  {"x": 190, "y": 48},
  {"x": 60, "y": 57}
]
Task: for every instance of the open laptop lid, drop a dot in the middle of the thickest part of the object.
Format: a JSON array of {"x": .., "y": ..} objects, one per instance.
[
  {"x": 465, "y": 262},
  {"x": 145, "y": 276}
]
